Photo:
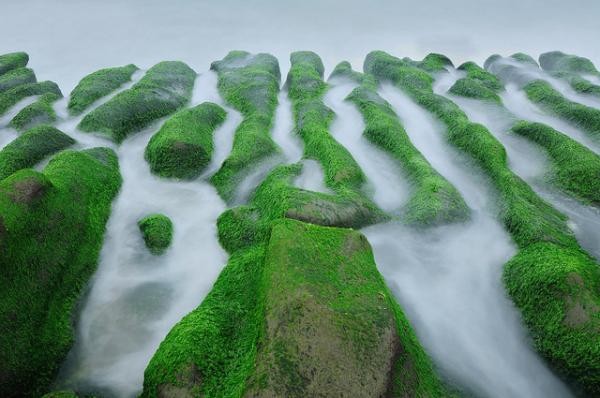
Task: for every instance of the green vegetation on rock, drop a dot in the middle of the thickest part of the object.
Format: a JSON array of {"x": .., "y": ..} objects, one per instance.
[
  {"x": 524, "y": 59},
  {"x": 585, "y": 117},
  {"x": 472, "y": 88},
  {"x": 38, "y": 113},
  {"x": 434, "y": 200},
  {"x": 31, "y": 147},
  {"x": 249, "y": 83},
  {"x": 484, "y": 77},
  {"x": 300, "y": 311},
  {"x": 12, "y": 96},
  {"x": 183, "y": 146},
  {"x": 557, "y": 61},
  {"x": 12, "y": 61},
  {"x": 576, "y": 168},
  {"x": 51, "y": 230},
  {"x": 552, "y": 280},
  {"x": 16, "y": 77},
  {"x": 344, "y": 70},
  {"x": 97, "y": 85},
  {"x": 157, "y": 231},
  {"x": 435, "y": 63},
  {"x": 165, "y": 88}
]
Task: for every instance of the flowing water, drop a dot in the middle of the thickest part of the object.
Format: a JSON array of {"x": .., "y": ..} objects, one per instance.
[
  {"x": 385, "y": 184},
  {"x": 449, "y": 280},
  {"x": 135, "y": 298}
]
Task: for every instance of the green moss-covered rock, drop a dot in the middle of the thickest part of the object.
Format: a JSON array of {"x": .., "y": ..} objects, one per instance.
[
  {"x": 31, "y": 147},
  {"x": 157, "y": 231},
  {"x": 38, "y": 113},
  {"x": 579, "y": 84},
  {"x": 547, "y": 246},
  {"x": 471, "y": 88},
  {"x": 585, "y": 117},
  {"x": 61, "y": 394},
  {"x": 12, "y": 61},
  {"x": 51, "y": 230},
  {"x": 524, "y": 59},
  {"x": 249, "y": 83},
  {"x": 434, "y": 200},
  {"x": 97, "y": 85},
  {"x": 435, "y": 63},
  {"x": 575, "y": 169},
  {"x": 557, "y": 61},
  {"x": 165, "y": 88},
  {"x": 16, "y": 77},
  {"x": 302, "y": 314},
  {"x": 344, "y": 70},
  {"x": 183, "y": 146},
  {"x": 484, "y": 77},
  {"x": 12, "y": 96}
]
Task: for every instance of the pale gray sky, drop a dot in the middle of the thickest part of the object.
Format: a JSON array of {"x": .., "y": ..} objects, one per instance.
[{"x": 69, "y": 38}]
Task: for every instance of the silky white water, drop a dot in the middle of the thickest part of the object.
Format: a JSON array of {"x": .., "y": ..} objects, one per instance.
[
  {"x": 449, "y": 280},
  {"x": 529, "y": 161},
  {"x": 385, "y": 184},
  {"x": 135, "y": 298}
]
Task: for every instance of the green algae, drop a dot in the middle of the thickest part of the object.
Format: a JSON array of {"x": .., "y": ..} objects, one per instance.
[
  {"x": 164, "y": 89},
  {"x": 12, "y": 96},
  {"x": 31, "y": 147},
  {"x": 250, "y": 84},
  {"x": 228, "y": 347},
  {"x": 11, "y": 61},
  {"x": 524, "y": 59},
  {"x": 16, "y": 77},
  {"x": 51, "y": 229},
  {"x": 557, "y": 61},
  {"x": 157, "y": 231},
  {"x": 183, "y": 146},
  {"x": 585, "y": 117},
  {"x": 564, "y": 327},
  {"x": 486, "y": 78},
  {"x": 576, "y": 169},
  {"x": 97, "y": 85},
  {"x": 344, "y": 70},
  {"x": 434, "y": 200},
  {"x": 435, "y": 63},
  {"x": 38, "y": 113},
  {"x": 472, "y": 88}
]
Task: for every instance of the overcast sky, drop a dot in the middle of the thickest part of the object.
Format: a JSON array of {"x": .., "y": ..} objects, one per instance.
[{"x": 70, "y": 38}]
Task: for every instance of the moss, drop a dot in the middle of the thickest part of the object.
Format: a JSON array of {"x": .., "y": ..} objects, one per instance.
[
  {"x": 344, "y": 70},
  {"x": 61, "y": 394},
  {"x": 434, "y": 200},
  {"x": 52, "y": 229},
  {"x": 249, "y": 337},
  {"x": 575, "y": 169},
  {"x": 490, "y": 60},
  {"x": 165, "y": 88},
  {"x": 157, "y": 231},
  {"x": 32, "y": 147},
  {"x": 435, "y": 63},
  {"x": 557, "y": 61},
  {"x": 12, "y": 96},
  {"x": 35, "y": 114},
  {"x": 16, "y": 77},
  {"x": 249, "y": 83},
  {"x": 524, "y": 59},
  {"x": 471, "y": 88},
  {"x": 579, "y": 84},
  {"x": 484, "y": 77},
  {"x": 183, "y": 146},
  {"x": 585, "y": 117},
  {"x": 97, "y": 85},
  {"x": 542, "y": 236},
  {"x": 13, "y": 61}
]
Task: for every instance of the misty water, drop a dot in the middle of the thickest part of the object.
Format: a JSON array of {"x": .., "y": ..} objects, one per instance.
[
  {"x": 449, "y": 280},
  {"x": 529, "y": 161},
  {"x": 385, "y": 184}
]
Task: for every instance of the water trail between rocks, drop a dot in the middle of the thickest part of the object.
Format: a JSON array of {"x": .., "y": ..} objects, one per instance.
[
  {"x": 449, "y": 280},
  {"x": 385, "y": 184},
  {"x": 135, "y": 298}
]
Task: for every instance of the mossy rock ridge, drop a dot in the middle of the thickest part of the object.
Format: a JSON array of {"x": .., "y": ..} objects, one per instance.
[{"x": 53, "y": 224}]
